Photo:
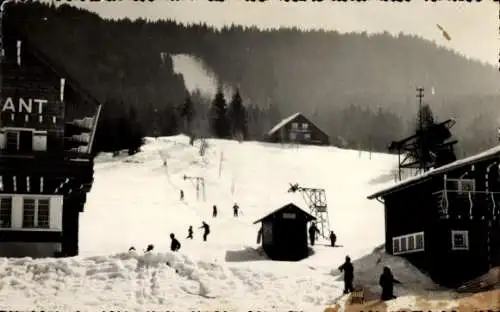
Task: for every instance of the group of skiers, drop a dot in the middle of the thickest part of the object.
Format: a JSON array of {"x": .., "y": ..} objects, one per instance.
[
  {"x": 236, "y": 209},
  {"x": 313, "y": 230},
  {"x": 386, "y": 280}
]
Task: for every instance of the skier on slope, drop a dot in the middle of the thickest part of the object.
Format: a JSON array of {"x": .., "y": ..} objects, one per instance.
[
  {"x": 387, "y": 282},
  {"x": 190, "y": 232},
  {"x": 149, "y": 248},
  {"x": 182, "y": 195},
  {"x": 235, "y": 209},
  {"x": 174, "y": 245},
  {"x": 214, "y": 211},
  {"x": 312, "y": 233},
  {"x": 348, "y": 270},
  {"x": 333, "y": 238},
  {"x": 206, "y": 230}
]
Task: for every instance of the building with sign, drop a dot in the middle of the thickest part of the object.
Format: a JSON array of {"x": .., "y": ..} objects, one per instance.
[
  {"x": 297, "y": 129},
  {"x": 284, "y": 233},
  {"x": 447, "y": 220},
  {"x": 47, "y": 128}
]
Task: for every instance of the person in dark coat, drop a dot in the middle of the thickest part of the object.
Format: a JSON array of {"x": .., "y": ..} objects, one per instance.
[
  {"x": 333, "y": 238},
  {"x": 206, "y": 230},
  {"x": 348, "y": 270},
  {"x": 190, "y": 232},
  {"x": 182, "y": 195},
  {"x": 235, "y": 209},
  {"x": 387, "y": 282},
  {"x": 131, "y": 248},
  {"x": 214, "y": 211},
  {"x": 174, "y": 245},
  {"x": 150, "y": 248},
  {"x": 312, "y": 233}
]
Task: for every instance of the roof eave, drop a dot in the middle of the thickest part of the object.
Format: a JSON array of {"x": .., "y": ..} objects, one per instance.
[{"x": 399, "y": 188}]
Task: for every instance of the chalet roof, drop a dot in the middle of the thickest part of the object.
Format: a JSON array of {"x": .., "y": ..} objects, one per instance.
[
  {"x": 309, "y": 217},
  {"x": 483, "y": 156},
  {"x": 283, "y": 122},
  {"x": 49, "y": 62}
]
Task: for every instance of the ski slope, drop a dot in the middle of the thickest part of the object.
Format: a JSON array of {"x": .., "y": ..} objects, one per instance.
[{"x": 135, "y": 202}]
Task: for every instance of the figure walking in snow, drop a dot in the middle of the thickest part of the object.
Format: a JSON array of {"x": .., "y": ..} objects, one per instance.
[
  {"x": 348, "y": 270},
  {"x": 235, "y": 209},
  {"x": 312, "y": 233},
  {"x": 206, "y": 230},
  {"x": 174, "y": 244},
  {"x": 190, "y": 232},
  {"x": 214, "y": 211},
  {"x": 182, "y": 195},
  {"x": 333, "y": 238},
  {"x": 149, "y": 248},
  {"x": 387, "y": 282}
]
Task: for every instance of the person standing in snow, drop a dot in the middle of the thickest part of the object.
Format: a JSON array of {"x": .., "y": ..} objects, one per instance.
[
  {"x": 333, "y": 238},
  {"x": 174, "y": 245},
  {"x": 312, "y": 233},
  {"x": 182, "y": 195},
  {"x": 214, "y": 211},
  {"x": 190, "y": 232},
  {"x": 206, "y": 230},
  {"x": 348, "y": 270},
  {"x": 235, "y": 209},
  {"x": 387, "y": 282},
  {"x": 149, "y": 248}
]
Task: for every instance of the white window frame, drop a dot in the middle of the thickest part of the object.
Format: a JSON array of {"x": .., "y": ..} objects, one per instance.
[
  {"x": 295, "y": 125},
  {"x": 403, "y": 241},
  {"x": 11, "y": 210},
  {"x": 36, "y": 224},
  {"x": 305, "y": 126},
  {"x": 17, "y": 131},
  {"x": 307, "y": 136},
  {"x": 465, "y": 235}
]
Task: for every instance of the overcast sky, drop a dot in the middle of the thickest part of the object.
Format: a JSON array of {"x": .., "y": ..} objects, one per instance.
[{"x": 473, "y": 27}]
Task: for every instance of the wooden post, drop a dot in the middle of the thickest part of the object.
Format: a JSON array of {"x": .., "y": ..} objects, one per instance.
[{"x": 220, "y": 163}]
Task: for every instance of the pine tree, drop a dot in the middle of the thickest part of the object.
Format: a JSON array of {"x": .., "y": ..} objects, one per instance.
[
  {"x": 187, "y": 115},
  {"x": 238, "y": 117},
  {"x": 219, "y": 122}
]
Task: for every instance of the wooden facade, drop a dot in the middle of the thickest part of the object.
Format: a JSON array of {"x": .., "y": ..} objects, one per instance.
[
  {"x": 284, "y": 233},
  {"x": 297, "y": 129},
  {"x": 47, "y": 128},
  {"x": 447, "y": 221}
]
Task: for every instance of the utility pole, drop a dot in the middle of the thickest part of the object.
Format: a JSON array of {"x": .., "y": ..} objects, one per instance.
[{"x": 420, "y": 95}]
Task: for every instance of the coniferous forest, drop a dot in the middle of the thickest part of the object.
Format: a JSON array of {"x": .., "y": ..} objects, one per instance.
[{"x": 358, "y": 88}]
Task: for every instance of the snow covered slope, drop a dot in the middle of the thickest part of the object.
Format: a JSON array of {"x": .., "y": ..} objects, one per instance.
[{"x": 135, "y": 202}]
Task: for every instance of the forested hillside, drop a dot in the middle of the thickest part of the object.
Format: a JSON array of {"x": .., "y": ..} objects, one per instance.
[{"x": 360, "y": 89}]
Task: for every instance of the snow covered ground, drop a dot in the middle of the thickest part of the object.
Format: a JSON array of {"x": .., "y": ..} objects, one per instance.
[{"x": 135, "y": 202}]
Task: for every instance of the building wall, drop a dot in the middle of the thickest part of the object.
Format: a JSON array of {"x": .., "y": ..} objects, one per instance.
[
  {"x": 39, "y": 139},
  {"x": 55, "y": 214}
]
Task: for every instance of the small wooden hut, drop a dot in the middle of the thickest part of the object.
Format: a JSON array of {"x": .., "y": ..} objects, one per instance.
[{"x": 284, "y": 233}]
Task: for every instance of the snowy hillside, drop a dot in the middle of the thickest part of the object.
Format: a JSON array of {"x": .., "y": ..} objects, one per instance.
[{"x": 135, "y": 202}]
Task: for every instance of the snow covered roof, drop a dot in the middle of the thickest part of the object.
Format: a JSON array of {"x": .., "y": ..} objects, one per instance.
[
  {"x": 488, "y": 154},
  {"x": 282, "y": 123},
  {"x": 308, "y": 215}
]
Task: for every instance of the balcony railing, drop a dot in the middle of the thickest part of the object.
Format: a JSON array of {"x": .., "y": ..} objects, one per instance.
[{"x": 468, "y": 204}]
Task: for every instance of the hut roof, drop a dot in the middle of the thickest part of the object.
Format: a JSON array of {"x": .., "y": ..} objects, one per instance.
[{"x": 309, "y": 217}]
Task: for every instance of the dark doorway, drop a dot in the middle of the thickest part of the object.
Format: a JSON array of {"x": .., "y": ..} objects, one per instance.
[{"x": 25, "y": 141}]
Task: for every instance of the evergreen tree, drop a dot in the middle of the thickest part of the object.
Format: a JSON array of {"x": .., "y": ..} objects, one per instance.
[
  {"x": 219, "y": 121},
  {"x": 187, "y": 115},
  {"x": 238, "y": 117}
]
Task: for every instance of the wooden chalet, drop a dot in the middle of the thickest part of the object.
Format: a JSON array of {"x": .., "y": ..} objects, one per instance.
[
  {"x": 48, "y": 125},
  {"x": 297, "y": 129},
  {"x": 284, "y": 233},
  {"x": 447, "y": 220}
]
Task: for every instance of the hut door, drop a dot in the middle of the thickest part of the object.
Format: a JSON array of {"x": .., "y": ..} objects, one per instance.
[{"x": 494, "y": 248}]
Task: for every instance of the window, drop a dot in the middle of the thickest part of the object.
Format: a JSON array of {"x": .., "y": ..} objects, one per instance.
[
  {"x": 307, "y": 136},
  {"x": 463, "y": 186},
  {"x": 295, "y": 125},
  {"x": 36, "y": 213},
  {"x": 19, "y": 140},
  {"x": 293, "y": 136},
  {"x": 459, "y": 240},
  {"x": 289, "y": 215},
  {"x": 5, "y": 212},
  {"x": 408, "y": 243},
  {"x": 305, "y": 126}
]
